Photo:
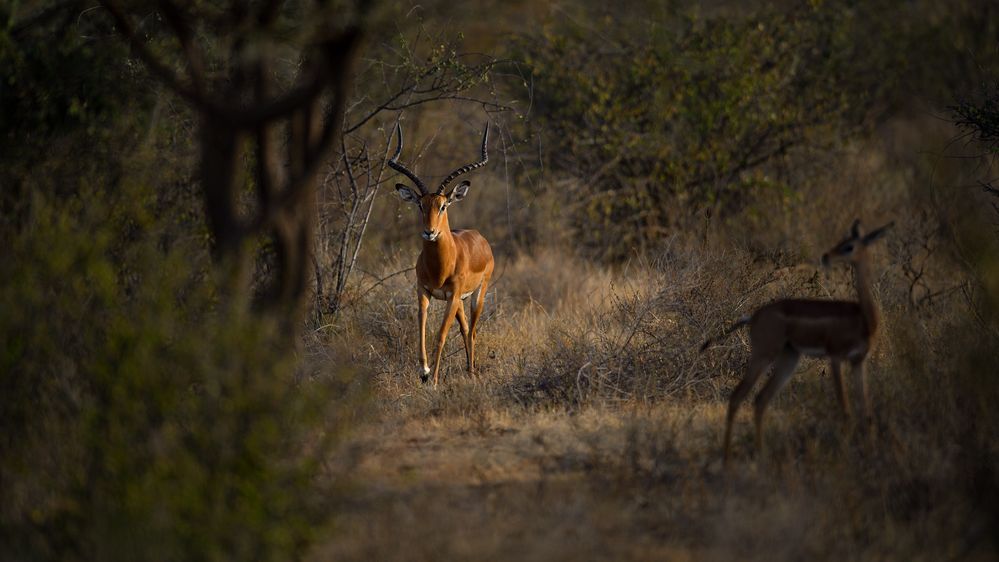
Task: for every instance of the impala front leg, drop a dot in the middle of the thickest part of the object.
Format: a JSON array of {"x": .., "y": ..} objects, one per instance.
[
  {"x": 424, "y": 299},
  {"x": 844, "y": 400},
  {"x": 860, "y": 382},
  {"x": 453, "y": 302},
  {"x": 465, "y": 335}
]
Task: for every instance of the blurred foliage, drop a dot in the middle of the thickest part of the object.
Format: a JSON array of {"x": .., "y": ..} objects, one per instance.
[
  {"x": 144, "y": 418},
  {"x": 60, "y": 72},
  {"x": 64, "y": 85},
  {"x": 675, "y": 112},
  {"x": 150, "y": 425}
]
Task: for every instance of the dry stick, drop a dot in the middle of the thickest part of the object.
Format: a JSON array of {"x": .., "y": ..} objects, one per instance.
[
  {"x": 371, "y": 199},
  {"x": 987, "y": 187},
  {"x": 319, "y": 287},
  {"x": 341, "y": 276},
  {"x": 929, "y": 297},
  {"x": 321, "y": 246},
  {"x": 634, "y": 330},
  {"x": 345, "y": 268},
  {"x": 579, "y": 374},
  {"x": 384, "y": 279}
]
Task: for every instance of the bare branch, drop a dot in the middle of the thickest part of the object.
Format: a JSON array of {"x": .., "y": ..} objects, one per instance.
[
  {"x": 155, "y": 65},
  {"x": 43, "y": 16},
  {"x": 339, "y": 54},
  {"x": 439, "y": 90},
  {"x": 384, "y": 279},
  {"x": 987, "y": 187},
  {"x": 178, "y": 22}
]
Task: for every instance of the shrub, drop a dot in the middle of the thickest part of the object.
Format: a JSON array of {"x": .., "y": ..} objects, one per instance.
[{"x": 143, "y": 420}]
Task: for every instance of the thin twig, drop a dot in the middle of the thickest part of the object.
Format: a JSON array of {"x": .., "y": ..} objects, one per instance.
[{"x": 384, "y": 279}]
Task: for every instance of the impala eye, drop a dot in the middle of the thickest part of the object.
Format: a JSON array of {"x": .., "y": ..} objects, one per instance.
[
  {"x": 848, "y": 248},
  {"x": 442, "y": 208}
]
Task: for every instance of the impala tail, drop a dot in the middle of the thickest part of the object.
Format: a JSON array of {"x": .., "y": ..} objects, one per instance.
[{"x": 738, "y": 324}]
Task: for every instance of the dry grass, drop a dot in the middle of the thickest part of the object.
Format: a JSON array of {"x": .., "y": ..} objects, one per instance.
[{"x": 592, "y": 430}]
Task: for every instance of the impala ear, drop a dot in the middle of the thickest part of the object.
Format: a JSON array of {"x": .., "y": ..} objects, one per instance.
[
  {"x": 855, "y": 229},
  {"x": 459, "y": 193},
  {"x": 406, "y": 193},
  {"x": 878, "y": 233}
]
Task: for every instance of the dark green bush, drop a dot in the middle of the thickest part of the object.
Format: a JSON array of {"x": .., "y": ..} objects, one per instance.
[
  {"x": 144, "y": 415},
  {"x": 142, "y": 421},
  {"x": 676, "y": 112},
  {"x": 671, "y": 113}
]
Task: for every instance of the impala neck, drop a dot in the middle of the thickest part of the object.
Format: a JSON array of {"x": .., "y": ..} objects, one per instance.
[
  {"x": 865, "y": 296},
  {"x": 441, "y": 254}
]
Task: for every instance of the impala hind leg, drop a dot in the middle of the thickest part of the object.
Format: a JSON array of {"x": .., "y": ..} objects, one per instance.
[
  {"x": 424, "y": 302},
  {"x": 453, "y": 303},
  {"x": 478, "y": 300},
  {"x": 783, "y": 370},
  {"x": 465, "y": 335},
  {"x": 754, "y": 368}
]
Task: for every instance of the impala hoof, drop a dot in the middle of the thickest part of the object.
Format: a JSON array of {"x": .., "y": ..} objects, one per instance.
[{"x": 425, "y": 375}]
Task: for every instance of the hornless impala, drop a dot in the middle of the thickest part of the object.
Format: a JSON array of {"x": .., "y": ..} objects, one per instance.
[
  {"x": 782, "y": 331},
  {"x": 453, "y": 264}
]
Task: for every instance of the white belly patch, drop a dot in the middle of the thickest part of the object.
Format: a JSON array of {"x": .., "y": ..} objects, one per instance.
[
  {"x": 812, "y": 351},
  {"x": 441, "y": 294}
]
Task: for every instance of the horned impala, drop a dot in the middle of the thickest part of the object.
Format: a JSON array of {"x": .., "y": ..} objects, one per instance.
[
  {"x": 784, "y": 330},
  {"x": 454, "y": 264}
]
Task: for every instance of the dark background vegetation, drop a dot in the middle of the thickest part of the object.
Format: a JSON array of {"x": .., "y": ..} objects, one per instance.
[{"x": 179, "y": 386}]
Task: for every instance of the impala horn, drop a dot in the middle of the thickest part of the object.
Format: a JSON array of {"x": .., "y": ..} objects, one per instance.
[
  {"x": 468, "y": 168},
  {"x": 395, "y": 165}
]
